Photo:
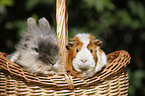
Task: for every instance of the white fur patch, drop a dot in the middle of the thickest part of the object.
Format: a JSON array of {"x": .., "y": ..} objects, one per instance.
[
  {"x": 84, "y": 38},
  {"x": 89, "y": 64},
  {"x": 102, "y": 60}
]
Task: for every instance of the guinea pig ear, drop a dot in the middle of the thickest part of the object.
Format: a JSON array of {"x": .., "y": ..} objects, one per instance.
[
  {"x": 97, "y": 42},
  {"x": 69, "y": 45}
]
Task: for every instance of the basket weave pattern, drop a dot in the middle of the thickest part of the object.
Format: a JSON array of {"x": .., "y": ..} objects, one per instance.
[{"x": 113, "y": 79}]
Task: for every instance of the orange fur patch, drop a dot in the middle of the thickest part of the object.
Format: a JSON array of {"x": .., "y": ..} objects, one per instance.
[
  {"x": 92, "y": 47},
  {"x": 72, "y": 54},
  {"x": 78, "y": 45},
  {"x": 91, "y": 37}
]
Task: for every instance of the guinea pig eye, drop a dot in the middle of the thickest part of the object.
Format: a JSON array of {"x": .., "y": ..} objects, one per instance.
[
  {"x": 91, "y": 50},
  {"x": 36, "y": 49},
  {"x": 77, "y": 50}
]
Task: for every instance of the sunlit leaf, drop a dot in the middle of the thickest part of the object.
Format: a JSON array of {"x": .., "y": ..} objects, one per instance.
[{"x": 6, "y": 2}]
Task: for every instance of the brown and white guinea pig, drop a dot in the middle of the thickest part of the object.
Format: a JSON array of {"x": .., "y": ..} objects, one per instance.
[{"x": 85, "y": 58}]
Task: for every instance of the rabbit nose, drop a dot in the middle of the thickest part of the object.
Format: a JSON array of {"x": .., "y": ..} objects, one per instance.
[{"x": 84, "y": 61}]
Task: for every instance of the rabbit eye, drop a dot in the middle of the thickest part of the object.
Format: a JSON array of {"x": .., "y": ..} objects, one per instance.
[
  {"x": 25, "y": 45},
  {"x": 36, "y": 49},
  {"x": 77, "y": 50},
  {"x": 91, "y": 50}
]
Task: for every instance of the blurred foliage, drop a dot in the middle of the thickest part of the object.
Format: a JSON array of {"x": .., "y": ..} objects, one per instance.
[
  {"x": 7, "y": 2},
  {"x": 100, "y": 5},
  {"x": 119, "y": 23},
  {"x": 31, "y": 3}
]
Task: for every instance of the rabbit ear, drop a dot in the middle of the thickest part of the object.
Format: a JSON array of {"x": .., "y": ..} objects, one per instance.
[
  {"x": 44, "y": 25},
  {"x": 32, "y": 27},
  {"x": 31, "y": 22}
]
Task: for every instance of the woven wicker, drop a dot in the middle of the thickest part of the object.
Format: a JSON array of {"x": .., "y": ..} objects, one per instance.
[{"x": 112, "y": 80}]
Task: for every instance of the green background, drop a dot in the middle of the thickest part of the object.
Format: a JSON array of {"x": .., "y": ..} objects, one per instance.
[{"x": 120, "y": 24}]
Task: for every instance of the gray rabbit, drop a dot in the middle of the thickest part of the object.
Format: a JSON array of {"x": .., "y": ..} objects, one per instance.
[{"x": 37, "y": 51}]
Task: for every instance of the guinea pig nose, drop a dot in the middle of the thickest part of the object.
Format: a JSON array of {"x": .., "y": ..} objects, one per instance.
[{"x": 84, "y": 61}]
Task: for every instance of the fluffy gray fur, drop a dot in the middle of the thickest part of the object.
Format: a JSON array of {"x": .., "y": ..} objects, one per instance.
[{"x": 37, "y": 51}]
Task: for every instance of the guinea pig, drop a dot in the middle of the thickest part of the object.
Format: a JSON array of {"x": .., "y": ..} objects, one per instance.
[
  {"x": 37, "y": 51},
  {"x": 85, "y": 58}
]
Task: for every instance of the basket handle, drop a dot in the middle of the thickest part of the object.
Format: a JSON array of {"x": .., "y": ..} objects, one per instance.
[{"x": 62, "y": 31}]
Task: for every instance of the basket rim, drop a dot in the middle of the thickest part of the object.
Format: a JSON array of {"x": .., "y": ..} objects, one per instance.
[{"x": 61, "y": 80}]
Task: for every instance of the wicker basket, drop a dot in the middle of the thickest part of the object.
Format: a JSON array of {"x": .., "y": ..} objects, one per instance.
[{"x": 112, "y": 80}]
